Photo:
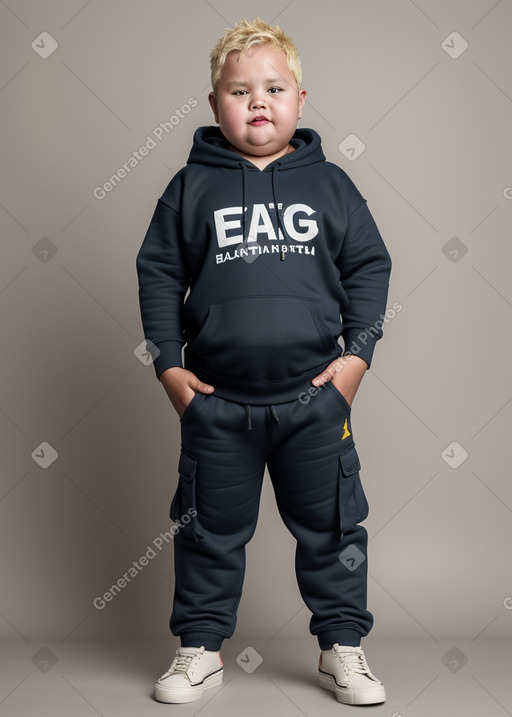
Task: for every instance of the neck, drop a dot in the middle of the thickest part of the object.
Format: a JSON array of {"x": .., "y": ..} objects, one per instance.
[{"x": 262, "y": 162}]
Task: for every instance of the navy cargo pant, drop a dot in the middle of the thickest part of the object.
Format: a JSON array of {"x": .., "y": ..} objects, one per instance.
[{"x": 308, "y": 447}]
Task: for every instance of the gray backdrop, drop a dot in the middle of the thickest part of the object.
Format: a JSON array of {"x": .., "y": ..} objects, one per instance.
[{"x": 90, "y": 440}]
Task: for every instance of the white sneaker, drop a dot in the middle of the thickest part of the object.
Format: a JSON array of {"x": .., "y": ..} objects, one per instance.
[
  {"x": 344, "y": 670},
  {"x": 193, "y": 670}
]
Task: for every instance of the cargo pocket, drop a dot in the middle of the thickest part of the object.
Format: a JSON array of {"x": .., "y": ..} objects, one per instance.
[
  {"x": 353, "y": 506},
  {"x": 183, "y": 509}
]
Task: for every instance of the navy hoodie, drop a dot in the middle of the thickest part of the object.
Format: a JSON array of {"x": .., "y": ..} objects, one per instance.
[{"x": 279, "y": 263}]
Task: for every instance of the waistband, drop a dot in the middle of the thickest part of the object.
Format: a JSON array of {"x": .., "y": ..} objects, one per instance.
[{"x": 258, "y": 393}]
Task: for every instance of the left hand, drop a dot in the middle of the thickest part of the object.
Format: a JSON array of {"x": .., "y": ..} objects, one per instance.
[{"x": 346, "y": 373}]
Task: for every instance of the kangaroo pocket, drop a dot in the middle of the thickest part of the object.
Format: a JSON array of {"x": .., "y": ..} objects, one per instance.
[{"x": 264, "y": 337}]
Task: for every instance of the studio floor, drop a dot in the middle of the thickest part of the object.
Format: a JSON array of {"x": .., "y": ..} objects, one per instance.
[{"x": 115, "y": 677}]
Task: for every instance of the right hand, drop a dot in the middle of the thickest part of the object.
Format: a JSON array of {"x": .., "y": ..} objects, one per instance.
[{"x": 181, "y": 386}]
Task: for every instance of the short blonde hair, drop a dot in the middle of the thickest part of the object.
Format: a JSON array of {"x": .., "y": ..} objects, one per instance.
[{"x": 246, "y": 34}]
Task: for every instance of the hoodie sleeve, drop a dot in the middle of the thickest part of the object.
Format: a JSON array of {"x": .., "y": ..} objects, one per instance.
[
  {"x": 365, "y": 267},
  {"x": 162, "y": 287}
]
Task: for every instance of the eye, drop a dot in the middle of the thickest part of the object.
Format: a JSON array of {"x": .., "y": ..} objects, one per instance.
[
  {"x": 239, "y": 92},
  {"x": 275, "y": 90}
]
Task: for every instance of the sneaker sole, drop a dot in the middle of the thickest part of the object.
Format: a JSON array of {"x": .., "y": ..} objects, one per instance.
[
  {"x": 179, "y": 695},
  {"x": 369, "y": 696}
]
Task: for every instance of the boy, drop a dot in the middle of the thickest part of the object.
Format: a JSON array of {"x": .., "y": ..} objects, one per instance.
[{"x": 274, "y": 243}]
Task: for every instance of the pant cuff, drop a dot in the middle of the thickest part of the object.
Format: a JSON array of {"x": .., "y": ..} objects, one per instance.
[
  {"x": 343, "y": 636},
  {"x": 212, "y": 641}
]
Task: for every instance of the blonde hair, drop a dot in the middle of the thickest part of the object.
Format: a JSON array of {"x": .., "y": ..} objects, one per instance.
[{"x": 246, "y": 34}]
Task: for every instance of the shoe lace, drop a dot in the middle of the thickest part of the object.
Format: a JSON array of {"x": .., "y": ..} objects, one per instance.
[
  {"x": 353, "y": 661},
  {"x": 181, "y": 663}
]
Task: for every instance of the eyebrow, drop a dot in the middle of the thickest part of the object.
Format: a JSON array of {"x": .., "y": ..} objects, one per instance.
[{"x": 242, "y": 83}]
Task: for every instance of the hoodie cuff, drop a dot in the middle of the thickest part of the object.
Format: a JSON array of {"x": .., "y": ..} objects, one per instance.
[
  {"x": 166, "y": 354},
  {"x": 360, "y": 343}
]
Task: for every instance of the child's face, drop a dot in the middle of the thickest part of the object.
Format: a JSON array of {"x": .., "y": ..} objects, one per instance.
[{"x": 258, "y": 85}]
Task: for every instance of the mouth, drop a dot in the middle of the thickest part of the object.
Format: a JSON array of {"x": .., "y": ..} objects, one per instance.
[{"x": 259, "y": 121}]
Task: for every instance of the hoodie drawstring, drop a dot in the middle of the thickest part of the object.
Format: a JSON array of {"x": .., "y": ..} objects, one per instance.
[
  {"x": 279, "y": 210},
  {"x": 244, "y": 170},
  {"x": 248, "y": 414}
]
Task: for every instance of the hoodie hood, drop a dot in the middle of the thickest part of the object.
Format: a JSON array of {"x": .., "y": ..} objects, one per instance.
[{"x": 210, "y": 148}]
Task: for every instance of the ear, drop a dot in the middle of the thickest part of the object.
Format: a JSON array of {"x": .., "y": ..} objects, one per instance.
[
  {"x": 214, "y": 105},
  {"x": 302, "y": 101}
]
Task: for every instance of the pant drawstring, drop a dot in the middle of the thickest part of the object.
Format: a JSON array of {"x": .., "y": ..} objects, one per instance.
[
  {"x": 274, "y": 415},
  {"x": 248, "y": 414}
]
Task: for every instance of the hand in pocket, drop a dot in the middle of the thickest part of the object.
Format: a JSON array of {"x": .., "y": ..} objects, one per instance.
[
  {"x": 181, "y": 386},
  {"x": 345, "y": 373}
]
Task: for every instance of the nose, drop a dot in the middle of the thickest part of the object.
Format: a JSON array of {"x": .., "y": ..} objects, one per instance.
[{"x": 258, "y": 102}]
